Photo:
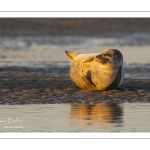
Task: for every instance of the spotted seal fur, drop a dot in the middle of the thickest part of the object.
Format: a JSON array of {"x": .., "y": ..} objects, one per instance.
[{"x": 99, "y": 71}]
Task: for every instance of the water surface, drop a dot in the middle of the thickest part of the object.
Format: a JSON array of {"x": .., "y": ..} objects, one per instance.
[
  {"x": 127, "y": 117},
  {"x": 39, "y": 51}
]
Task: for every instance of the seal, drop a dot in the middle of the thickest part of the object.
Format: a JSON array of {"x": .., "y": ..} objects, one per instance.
[{"x": 98, "y": 71}]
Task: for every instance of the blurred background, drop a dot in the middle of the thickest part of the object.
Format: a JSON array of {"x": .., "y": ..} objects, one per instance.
[
  {"x": 40, "y": 42},
  {"x": 73, "y": 26}
]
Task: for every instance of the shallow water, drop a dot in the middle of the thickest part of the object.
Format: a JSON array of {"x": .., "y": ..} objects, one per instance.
[
  {"x": 40, "y": 51},
  {"x": 75, "y": 118}
]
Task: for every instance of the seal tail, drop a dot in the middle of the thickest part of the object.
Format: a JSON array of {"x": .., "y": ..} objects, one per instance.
[{"x": 71, "y": 55}]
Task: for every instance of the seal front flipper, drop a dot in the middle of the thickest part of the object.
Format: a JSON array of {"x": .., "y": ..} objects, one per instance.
[
  {"x": 87, "y": 79},
  {"x": 89, "y": 59}
]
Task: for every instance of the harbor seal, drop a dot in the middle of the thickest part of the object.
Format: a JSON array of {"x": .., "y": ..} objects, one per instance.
[{"x": 99, "y": 71}]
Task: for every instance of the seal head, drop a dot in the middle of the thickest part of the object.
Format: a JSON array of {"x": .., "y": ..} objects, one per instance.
[
  {"x": 111, "y": 64},
  {"x": 111, "y": 57}
]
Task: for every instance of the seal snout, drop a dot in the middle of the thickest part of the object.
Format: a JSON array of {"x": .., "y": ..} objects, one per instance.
[
  {"x": 98, "y": 56},
  {"x": 100, "y": 59}
]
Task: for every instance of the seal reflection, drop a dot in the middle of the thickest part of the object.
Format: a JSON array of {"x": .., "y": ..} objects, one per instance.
[{"x": 97, "y": 113}]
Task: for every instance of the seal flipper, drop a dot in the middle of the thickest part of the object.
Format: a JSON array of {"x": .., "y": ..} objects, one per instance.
[
  {"x": 71, "y": 55},
  {"x": 87, "y": 79},
  {"x": 89, "y": 59},
  {"x": 88, "y": 76}
]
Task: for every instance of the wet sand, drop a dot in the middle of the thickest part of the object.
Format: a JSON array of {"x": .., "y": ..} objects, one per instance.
[{"x": 23, "y": 85}]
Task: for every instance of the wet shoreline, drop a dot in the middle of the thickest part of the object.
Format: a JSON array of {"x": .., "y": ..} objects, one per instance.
[{"x": 52, "y": 85}]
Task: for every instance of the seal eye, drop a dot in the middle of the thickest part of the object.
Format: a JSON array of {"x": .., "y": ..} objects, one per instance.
[
  {"x": 109, "y": 55},
  {"x": 106, "y": 54}
]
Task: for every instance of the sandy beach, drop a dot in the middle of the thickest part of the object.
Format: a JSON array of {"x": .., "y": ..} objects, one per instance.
[
  {"x": 23, "y": 85},
  {"x": 35, "y": 70}
]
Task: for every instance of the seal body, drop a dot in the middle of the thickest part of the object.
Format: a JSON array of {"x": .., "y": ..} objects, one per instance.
[{"x": 99, "y": 71}]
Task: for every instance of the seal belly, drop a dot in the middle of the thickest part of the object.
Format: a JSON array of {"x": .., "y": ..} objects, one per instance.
[
  {"x": 116, "y": 81},
  {"x": 81, "y": 76},
  {"x": 122, "y": 75}
]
